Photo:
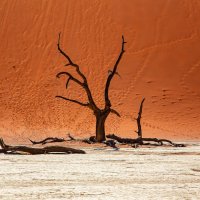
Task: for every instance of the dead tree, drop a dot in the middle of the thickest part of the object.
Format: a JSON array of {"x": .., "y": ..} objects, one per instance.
[
  {"x": 138, "y": 119},
  {"x": 100, "y": 114},
  {"x": 140, "y": 140},
  {"x": 7, "y": 149}
]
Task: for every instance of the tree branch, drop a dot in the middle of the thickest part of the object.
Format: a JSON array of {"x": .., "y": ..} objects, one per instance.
[
  {"x": 115, "y": 112},
  {"x": 74, "y": 101},
  {"x": 85, "y": 84},
  {"x": 67, "y": 83},
  {"x": 70, "y": 78},
  {"x": 109, "y": 72},
  {"x": 70, "y": 61},
  {"x": 112, "y": 73},
  {"x": 139, "y": 132},
  {"x": 48, "y": 140}
]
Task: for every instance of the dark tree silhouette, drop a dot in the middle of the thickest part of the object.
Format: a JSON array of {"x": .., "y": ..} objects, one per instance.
[
  {"x": 100, "y": 114},
  {"x": 138, "y": 119},
  {"x": 7, "y": 149},
  {"x": 48, "y": 140},
  {"x": 140, "y": 140}
]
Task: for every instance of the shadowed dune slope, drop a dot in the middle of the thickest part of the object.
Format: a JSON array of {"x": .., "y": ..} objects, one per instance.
[{"x": 161, "y": 63}]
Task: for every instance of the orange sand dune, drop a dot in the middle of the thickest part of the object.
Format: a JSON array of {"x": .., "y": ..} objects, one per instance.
[{"x": 161, "y": 63}]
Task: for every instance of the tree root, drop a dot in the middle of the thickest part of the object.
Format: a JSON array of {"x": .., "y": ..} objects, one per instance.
[{"x": 33, "y": 151}]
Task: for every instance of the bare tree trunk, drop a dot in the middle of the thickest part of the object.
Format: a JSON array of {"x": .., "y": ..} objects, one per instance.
[
  {"x": 100, "y": 129},
  {"x": 100, "y": 125}
]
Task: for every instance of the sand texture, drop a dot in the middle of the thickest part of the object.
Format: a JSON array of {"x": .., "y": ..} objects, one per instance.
[
  {"x": 130, "y": 174},
  {"x": 161, "y": 63}
]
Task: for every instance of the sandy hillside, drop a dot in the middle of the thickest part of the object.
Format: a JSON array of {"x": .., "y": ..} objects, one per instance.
[{"x": 161, "y": 63}]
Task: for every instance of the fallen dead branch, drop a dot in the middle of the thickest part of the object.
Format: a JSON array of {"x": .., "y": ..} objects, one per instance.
[
  {"x": 89, "y": 140},
  {"x": 142, "y": 140},
  {"x": 29, "y": 150},
  {"x": 2, "y": 151},
  {"x": 48, "y": 140},
  {"x": 56, "y": 139}
]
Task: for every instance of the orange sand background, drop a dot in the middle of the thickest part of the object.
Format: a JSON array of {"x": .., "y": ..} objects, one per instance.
[{"x": 161, "y": 63}]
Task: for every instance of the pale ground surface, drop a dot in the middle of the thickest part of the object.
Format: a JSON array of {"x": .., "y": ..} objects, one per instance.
[{"x": 144, "y": 173}]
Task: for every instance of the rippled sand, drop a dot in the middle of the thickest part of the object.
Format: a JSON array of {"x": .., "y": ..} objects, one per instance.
[{"x": 143, "y": 173}]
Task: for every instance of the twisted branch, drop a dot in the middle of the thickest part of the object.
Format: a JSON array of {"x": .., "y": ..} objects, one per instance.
[
  {"x": 70, "y": 61},
  {"x": 112, "y": 73},
  {"x": 91, "y": 103},
  {"x": 70, "y": 78},
  {"x": 115, "y": 112},
  {"x": 74, "y": 101},
  {"x": 48, "y": 140}
]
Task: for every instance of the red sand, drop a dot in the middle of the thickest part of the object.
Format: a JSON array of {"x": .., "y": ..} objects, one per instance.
[{"x": 161, "y": 63}]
